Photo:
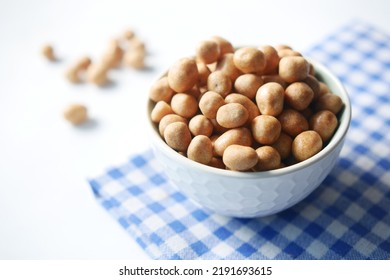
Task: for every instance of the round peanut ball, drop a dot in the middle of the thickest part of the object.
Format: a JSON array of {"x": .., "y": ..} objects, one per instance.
[
  {"x": 240, "y": 136},
  {"x": 209, "y": 104},
  {"x": 200, "y": 125},
  {"x": 160, "y": 91},
  {"x": 271, "y": 59},
  {"x": 200, "y": 149},
  {"x": 76, "y": 114},
  {"x": 219, "y": 83},
  {"x": 329, "y": 101},
  {"x": 177, "y": 136},
  {"x": 97, "y": 74},
  {"x": 268, "y": 158},
  {"x": 248, "y": 84},
  {"x": 270, "y": 99},
  {"x": 160, "y": 110},
  {"x": 306, "y": 145},
  {"x": 48, "y": 52},
  {"x": 224, "y": 45},
  {"x": 113, "y": 54},
  {"x": 207, "y": 51},
  {"x": 183, "y": 75},
  {"x": 283, "y": 145},
  {"x": 266, "y": 129},
  {"x": 226, "y": 65},
  {"x": 184, "y": 105},
  {"x": 249, "y": 60},
  {"x": 298, "y": 95},
  {"x": 293, "y": 68},
  {"x": 167, "y": 120},
  {"x": 314, "y": 84},
  {"x": 232, "y": 115},
  {"x": 293, "y": 122},
  {"x": 324, "y": 88},
  {"x": 253, "y": 110},
  {"x": 324, "y": 123},
  {"x": 239, "y": 158}
]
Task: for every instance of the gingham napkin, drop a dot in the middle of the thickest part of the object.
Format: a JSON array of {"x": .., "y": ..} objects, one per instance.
[{"x": 347, "y": 217}]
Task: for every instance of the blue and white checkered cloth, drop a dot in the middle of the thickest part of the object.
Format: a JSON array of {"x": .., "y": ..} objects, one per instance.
[{"x": 347, "y": 217}]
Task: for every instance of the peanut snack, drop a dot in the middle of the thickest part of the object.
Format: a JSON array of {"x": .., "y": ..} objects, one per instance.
[{"x": 245, "y": 109}]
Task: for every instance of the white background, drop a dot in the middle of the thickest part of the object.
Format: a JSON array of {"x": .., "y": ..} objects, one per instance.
[{"x": 47, "y": 210}]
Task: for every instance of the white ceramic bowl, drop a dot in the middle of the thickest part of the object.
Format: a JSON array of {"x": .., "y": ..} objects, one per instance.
[{"x": 254, "y": 194}]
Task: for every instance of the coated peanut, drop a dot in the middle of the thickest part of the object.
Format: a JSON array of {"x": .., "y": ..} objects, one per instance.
[
  {"x": 306, "y": 145},
  {"x": 76, "y": 114},
  {"x": 183, "y": 75},
  {"x": 226, "y": 65},
  {"x": 168, "y": 119},
  {"x": 270, "y": 99},
  {"x": 220, "y": 83},
  {"x": 293, "y": 122},
  {"x": 184, "y": 105},
  {"x": 293, "y": 68},
  {"x": 240, "y": 136},
  {"x": 209, "y": 104},
  {"x": 268, "y": 158},
  {"x": 113, "y": 55},
  {"x": 200, "y": 149},
  {"x": 48, "y": 52},
  {"x": 207, "y": 51},
  {"x": 160, "y": 91},
  {"x": 329, "y": 101},
  {"x": 283, "y": 145},
  {"x": 298, "y": 95},
  {"x": 249, "y": 60},
  {"x": 240, "y": 158},
  {"x": 250, "y": 106},
  {"x": 248, "y": 84},
  {"x": 97, "y": 74},
  {"x": 224, "y": 45},
  {"x": 232, "y": 115},
  {"x": 324, "y": 123},
  {"x": 313, "y": 83},
  {"x": 178, "y": 136},
  {"x": 266, "y": 129},
  {"x": 160, "y": 110},
  {"x": 271, "y": 59},
  {"x": 200, "y": 125}
]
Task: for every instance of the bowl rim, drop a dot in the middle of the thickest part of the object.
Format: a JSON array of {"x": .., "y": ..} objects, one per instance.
[{"x": 337, "y": 138}]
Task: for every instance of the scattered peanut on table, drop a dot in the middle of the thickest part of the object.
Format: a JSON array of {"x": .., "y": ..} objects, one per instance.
[{"x": 127, "y": 49}]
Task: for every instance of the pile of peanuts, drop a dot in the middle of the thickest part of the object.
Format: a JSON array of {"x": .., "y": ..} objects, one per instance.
[
  {"x": 128, "y": 49},
  {"x": 244, "y": 109}
]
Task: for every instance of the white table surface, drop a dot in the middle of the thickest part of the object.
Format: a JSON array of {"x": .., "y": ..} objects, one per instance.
[{"x": 47, "y": 210}]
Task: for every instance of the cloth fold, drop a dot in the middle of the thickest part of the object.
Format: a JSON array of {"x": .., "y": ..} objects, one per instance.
[{"x": 347, "y": 217}]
